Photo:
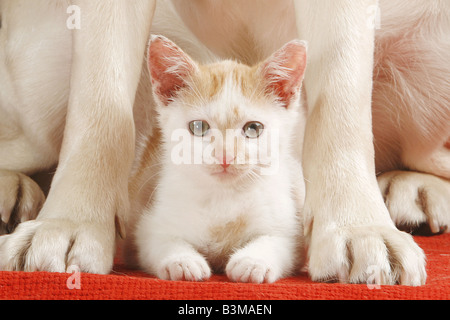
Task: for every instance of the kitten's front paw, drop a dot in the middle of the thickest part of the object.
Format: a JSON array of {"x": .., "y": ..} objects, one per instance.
[
  {"x": 251, "y": 270},
  {"x": 184, "y": 268}
]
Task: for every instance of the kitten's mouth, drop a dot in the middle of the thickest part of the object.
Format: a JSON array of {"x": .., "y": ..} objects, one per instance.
[{"x": 226, "y": 173}]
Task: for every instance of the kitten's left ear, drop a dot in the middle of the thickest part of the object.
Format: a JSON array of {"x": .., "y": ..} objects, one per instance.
[
  {"x": 169, "y": 68},
  {"x": 284, "y": 71}
]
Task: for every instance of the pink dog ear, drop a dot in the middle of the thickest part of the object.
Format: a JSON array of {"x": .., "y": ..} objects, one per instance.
[
  {"x": 284, "y": 71},
  {"x": 169, "y": 68}
]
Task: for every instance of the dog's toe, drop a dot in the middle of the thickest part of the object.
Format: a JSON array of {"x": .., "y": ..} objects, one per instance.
[
  {"x": 20, "y": 200},
  {"x": 56, "y": 246},
  {"x": 418, "y": 203}
]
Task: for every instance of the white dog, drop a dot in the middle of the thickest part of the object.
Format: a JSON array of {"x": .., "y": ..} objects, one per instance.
[{"x": 67, "y": 97}]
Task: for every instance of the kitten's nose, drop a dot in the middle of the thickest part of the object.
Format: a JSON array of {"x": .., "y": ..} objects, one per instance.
[{"x": 226, "y": 161}]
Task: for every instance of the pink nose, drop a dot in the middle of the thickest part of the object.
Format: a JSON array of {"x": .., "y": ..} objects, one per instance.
[{"x": 226, "y": 162}]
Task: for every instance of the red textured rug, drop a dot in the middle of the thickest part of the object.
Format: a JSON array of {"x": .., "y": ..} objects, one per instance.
[{"x": 131, "y": 285}]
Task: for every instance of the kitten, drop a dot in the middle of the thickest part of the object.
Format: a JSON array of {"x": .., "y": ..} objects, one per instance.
[{"x": 224, "y": 190}]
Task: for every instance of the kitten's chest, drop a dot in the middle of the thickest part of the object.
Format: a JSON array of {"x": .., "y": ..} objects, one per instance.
[
  {"x": 224, "y": 238},
  {"x": 229, "y": 228}
]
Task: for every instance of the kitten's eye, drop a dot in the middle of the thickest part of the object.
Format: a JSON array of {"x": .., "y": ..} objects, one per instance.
[
  {"x": 199, "y": 128},
  {"x": 253, "y": 130}
]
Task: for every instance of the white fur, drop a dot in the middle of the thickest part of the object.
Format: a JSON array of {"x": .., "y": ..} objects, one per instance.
[
  {"x": 342, "y": 192},
  {"x": 172, "y": 229},
  {"x": 103, "y": 62},
  {"x": 66, "y": 98},
  {"x": 177, "y": 234}
]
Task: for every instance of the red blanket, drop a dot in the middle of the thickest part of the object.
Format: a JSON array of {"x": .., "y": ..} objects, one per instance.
[{"x": 126, "y": 284}]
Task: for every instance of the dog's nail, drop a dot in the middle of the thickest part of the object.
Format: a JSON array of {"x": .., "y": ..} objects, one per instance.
[
  {"x": 5, "y": 216},
  {"x": 308, "y": 227},
  {"x": 120, "y": 227},
  {"x": 434, "y": 226}
]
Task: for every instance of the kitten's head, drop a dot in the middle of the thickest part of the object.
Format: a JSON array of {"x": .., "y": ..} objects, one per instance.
[{"x": 227, "y": 119}]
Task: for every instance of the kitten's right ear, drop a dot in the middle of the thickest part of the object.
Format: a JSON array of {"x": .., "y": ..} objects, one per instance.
[{"x": 169, "y": 68}]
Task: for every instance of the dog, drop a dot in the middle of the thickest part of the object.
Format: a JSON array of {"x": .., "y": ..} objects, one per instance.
[{"x": 74, "y": 98}]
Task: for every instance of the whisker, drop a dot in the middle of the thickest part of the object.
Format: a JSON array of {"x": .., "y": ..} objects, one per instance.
[
  {"x": 150, "y": 198},
  {"x": 147, "y": 180},
  {"x": 153, "y": 165}
]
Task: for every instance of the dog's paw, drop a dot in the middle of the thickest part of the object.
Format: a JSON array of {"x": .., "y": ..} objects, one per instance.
[
  {"x": 20, "y": 200},
  {"x": 189, "y": 267},
  {"x": 418, "y": 203},
  {"x": 251, "y": 270},
  {"x": 56, "y": 245},
  {"x": 379, "y": 255}
]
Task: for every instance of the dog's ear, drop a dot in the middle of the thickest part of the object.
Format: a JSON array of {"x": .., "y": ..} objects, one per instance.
[
  {"x": 284, "y": 71},
  {"x": 169, "y": 68}
]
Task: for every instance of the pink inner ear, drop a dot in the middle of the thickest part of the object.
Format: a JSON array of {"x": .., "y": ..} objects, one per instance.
[
  {"x": 285, "y": 71},
  {"x": 169, "y": 66}
]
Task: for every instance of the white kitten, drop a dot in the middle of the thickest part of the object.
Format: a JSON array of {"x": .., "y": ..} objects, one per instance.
[{"x": 229, "y": 193}]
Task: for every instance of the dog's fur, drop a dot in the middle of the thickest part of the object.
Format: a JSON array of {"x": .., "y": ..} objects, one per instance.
[{"x": 67, "y": 96}]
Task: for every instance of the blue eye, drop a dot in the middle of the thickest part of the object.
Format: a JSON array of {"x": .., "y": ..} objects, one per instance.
[
  {"x": 253, "y": 130},
  {"x": 199, "y": 128}
]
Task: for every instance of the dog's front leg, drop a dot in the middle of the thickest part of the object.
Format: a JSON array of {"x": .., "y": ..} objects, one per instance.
[
  {"x": 89, "y": 192},
  {"x": 352, "y": 238}
]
